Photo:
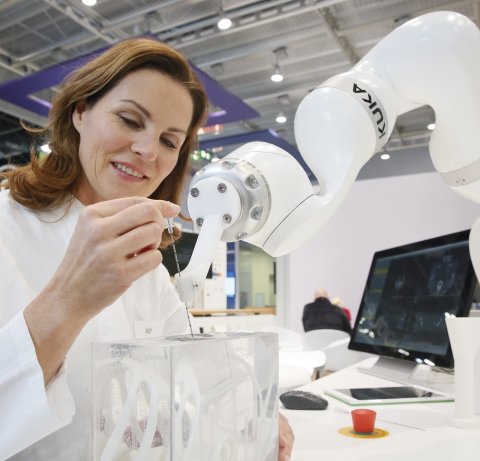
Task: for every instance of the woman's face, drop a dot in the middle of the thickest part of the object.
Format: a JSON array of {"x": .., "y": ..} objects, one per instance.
[{"x": 130, "y": 139}]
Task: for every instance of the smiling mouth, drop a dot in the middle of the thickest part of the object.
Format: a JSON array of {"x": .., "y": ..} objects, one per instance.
[{"x": 127, "y": 170}]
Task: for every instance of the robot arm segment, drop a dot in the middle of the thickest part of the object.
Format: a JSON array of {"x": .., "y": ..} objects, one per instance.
[
  {"x": 221, "y": 196},
  {"x": 190, "y": 281},
  {"x": 433, "y": 59}
]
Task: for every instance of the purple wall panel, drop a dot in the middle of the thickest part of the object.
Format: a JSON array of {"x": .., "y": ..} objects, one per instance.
[{"x": 20, "y": 91}]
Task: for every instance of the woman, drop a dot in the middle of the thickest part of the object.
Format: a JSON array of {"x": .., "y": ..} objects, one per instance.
[{"x": 79, "y": 231}]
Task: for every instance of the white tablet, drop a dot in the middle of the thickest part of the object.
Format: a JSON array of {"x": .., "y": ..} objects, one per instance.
[{"x": 387, "y": 395}]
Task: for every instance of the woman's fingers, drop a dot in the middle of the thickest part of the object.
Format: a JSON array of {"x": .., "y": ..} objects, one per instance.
[
  {"x": 286, "y": 439},
  {"x": 114, "y": 243},
  {"x": 139, "y": 228},
  {"x": 128, "y": 226},
  {"x": 125, "y": 214},
  {"x": 112, "y": 207},
  {"x": 140, "y": 239}
]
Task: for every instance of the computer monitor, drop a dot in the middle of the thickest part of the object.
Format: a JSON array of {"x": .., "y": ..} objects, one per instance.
[{"x": 410, "y": 290}]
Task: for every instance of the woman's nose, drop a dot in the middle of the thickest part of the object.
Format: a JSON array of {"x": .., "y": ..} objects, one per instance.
[{"x": 147, "y": 147}]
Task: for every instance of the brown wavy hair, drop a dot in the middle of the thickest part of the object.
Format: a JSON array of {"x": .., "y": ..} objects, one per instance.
[{"x": 45, "y": 184}]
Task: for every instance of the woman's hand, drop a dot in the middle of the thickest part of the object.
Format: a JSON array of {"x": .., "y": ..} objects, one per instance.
[
  {"x": 113, "y": 244},
  {"x": 286, "y": 439}
]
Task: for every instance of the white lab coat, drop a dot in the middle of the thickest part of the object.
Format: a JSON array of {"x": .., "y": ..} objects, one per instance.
[{"x": 55, "y": 424}]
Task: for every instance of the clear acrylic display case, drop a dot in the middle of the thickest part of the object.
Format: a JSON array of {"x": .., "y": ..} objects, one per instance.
[{"x": 207, "y": 398}]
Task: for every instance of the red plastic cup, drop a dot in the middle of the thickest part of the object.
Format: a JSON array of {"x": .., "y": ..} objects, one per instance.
[{"x": 363, "y": 420}]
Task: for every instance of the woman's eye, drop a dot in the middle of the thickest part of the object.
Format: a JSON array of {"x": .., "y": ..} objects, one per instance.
[
  {"x": 129, "y": 122},
  {"x": 168, "y": 143}
]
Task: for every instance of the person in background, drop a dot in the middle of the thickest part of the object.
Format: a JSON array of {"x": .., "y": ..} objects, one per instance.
[
  {"x": 337, "y": 301},
  {"x": 321, "y": 313},
  {"x": 79, "y": 238}
]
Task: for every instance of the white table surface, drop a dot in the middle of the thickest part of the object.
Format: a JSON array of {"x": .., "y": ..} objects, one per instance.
[{"x": 417, "y": 432}]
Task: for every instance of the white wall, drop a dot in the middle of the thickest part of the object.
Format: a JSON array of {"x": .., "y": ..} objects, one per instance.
[{"x": 377, "y": 214}]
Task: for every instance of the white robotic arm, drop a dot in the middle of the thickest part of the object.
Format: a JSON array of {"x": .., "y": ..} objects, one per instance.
[{"x": 267, "y": 199}]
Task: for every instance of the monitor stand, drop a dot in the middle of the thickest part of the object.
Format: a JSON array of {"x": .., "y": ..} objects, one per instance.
[
  {"x": 410, "y": 373},
  {"x": 392, "y": 369}
]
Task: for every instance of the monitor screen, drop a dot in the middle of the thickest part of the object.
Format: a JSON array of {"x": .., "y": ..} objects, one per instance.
[
  {"x": 410, "y": 290},
  {"x": 184, "y": 246}
]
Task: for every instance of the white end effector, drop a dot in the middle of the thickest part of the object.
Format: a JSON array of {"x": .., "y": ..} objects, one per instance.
[
  {"x": 244, "y": 196},
  {"x": 433, "y": 59}
]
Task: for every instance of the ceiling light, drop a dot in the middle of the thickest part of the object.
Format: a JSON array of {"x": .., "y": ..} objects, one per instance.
[
  {"x": 277, "y": 75},
  {"x": 431, "y": 126},
  {"x": 279, "y": 53},
  {"x": 385, "y": 156},
  {"x": 224, "y": 23},
  {"x": 281, "y": 118},
  {"x": 89, "y": 2}
]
